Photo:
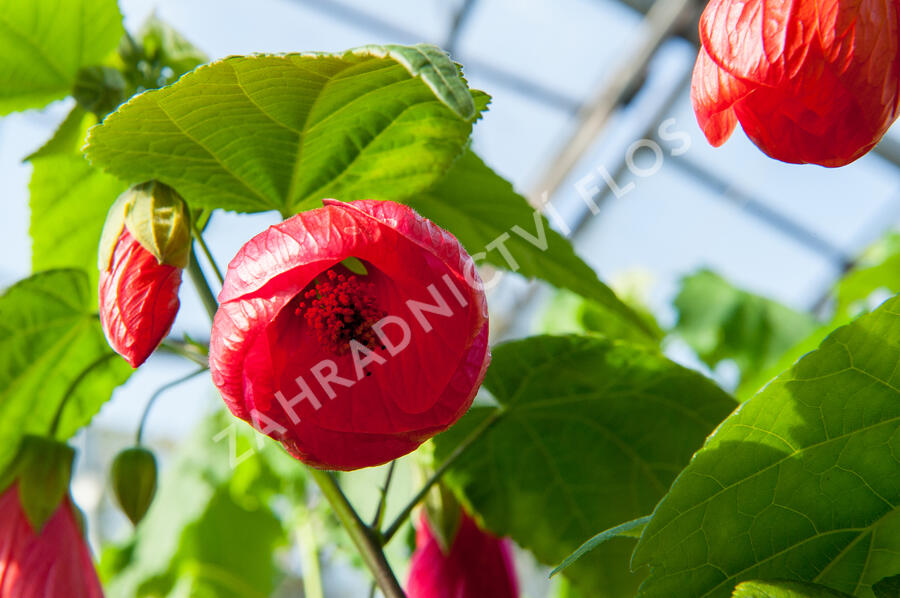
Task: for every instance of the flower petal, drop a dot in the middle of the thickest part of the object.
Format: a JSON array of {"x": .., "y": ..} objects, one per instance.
[
  {"x": 138, "y": 300},
  {"x": 713, "y": 95}
]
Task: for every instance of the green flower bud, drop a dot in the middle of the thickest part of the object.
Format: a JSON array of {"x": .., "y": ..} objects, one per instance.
[
  {"x": 157, "y": 217},
  {"x": 134, "y": 481}
]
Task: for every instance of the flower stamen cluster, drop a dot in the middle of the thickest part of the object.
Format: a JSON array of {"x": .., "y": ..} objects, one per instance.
[{"x": 340, "y": 309}]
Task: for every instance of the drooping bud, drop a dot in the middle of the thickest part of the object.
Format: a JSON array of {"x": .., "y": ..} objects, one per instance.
[
  {"x": 144, "y": 246},
  {"x": 42, "y": 469},
  {"x": 134, "y": 481},
  {"x": 476, "y": 564}
]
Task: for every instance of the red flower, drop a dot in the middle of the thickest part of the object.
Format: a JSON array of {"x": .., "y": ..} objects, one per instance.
[
  {"x": 54, "y": 562},
  {"x": 138, "y": 299},
  {"x": 477, "y": 565},
  {"x": 811, "y": 81},
  {"x": 350, "y": 363}
]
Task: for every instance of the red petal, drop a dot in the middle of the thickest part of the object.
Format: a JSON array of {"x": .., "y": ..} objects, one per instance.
[
  {"x": 763, "y": 41},
  {"x": 55, "y": 562},
  {"x": 138, "y": 300},
  {"x": 260, "y": 346},
  {"x": 478, "y": 564},
  {"x": 713, "y": 95}
]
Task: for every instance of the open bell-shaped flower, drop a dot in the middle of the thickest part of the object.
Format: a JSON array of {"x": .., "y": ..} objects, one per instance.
[{"x": 351, "y": 333}]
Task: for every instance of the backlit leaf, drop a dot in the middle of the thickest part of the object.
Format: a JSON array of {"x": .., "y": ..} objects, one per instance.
[
  {"x": 283, "y": 132},
  {"x": 801, "y": 483}
]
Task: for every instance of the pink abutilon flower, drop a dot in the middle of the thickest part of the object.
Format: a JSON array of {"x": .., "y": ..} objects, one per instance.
[
  {"x": 477, "y": 565},
  {"x": 52, "y": 563},
  {"x": 810, "y": 81},
  {"x": 351, "y": 333},
  {"x": 138, "y": 300}
]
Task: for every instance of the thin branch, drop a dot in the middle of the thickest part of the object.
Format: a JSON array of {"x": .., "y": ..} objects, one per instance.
[
  {"x": 362, "y": 536},
  {"x": 199, "y": 280},
  {"x": 461, "y": 448},
  {"x": 162, "y": 389},
  {"x": 198, "y": 236},
  {"x": 382, "y": 501}
]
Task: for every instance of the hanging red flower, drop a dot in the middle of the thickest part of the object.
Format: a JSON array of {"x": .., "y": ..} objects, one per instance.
[
  {"x": 53, "y": 562},
  {"x": 351, "y": 333},
  {"x": 476, "y": 565},
  {"x": 810, "y": 81},
  {"x": 145, "y": 245}
]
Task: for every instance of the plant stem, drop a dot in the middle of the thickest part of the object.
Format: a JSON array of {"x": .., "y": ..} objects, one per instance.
[
  {"x": 199, "y": 280},
  {"x": 157, "y": 394},
  {"x": 198, "y": 236},
  {"x": 477, "y": 433},
  {"x": 365, "y": 541},
  {"x": 362, "y": 536},
  {"x": 382, "y": 501},
  {"x": 185, "y": 350},
  {"x": 309, "y": 558}
]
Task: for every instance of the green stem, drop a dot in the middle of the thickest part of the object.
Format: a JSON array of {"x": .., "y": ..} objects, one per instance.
[
  {"x": 185, "y": 350},
  {"x": 162, "y": 389},
  {"x": 198, "y": 236},
  {"x": 362, "y": 536},
  {"x": 382, "y": 501},
  {"x": 309, "y": 558},
  {"x": 461, "y": 448},
  {"x": 199, "y": 280}
]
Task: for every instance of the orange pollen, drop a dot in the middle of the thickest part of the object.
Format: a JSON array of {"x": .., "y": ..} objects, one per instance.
[{"x": 339, "y": 309}]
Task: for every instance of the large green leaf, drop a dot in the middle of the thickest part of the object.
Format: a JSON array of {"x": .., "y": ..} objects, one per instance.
[
  {"x": 496, "y": 224},
  {"x": 228, "y": 552},
  {"x": 69, "y": 201},
  {"x": 589, "y": 433},
  {"x": 720, "y": 321},
  {"x": 265, "y": 132},
  {"x": 44, "y": 42},
  {"x": 52, "y": 349},
  {"x": 801, "y": 483},
  {"x": 785, "y": 589}
]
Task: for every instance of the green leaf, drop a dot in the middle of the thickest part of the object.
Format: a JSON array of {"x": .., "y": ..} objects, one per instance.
[
  {"x": 568, "y": 313},
  {"x": 69, "y": 201},
  {"x": 589, "y": 432},
  {"x": 784, "y": 589},
  {"x": 51, "y": 348},
  {"x": 631, "y": 529},
  {"x": 800, "y": 483},
  {"x": 889, "y": 587},
  {"x": 266, "y": 132},
  {"x": 228, "y": 552},
  {"x": 490, "y": 219},
  {"x": 45, "y": 42},
  {"x": 877, "y": 269},
  {"x": 720, "y": 321},
  {"x": 164, "y": 47}
]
